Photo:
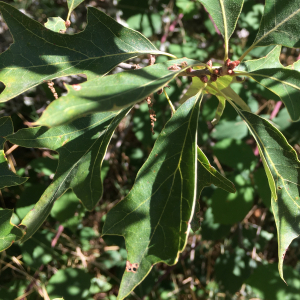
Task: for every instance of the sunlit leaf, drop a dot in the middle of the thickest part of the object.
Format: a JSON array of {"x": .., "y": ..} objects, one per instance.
[
  {"x": 220, "y": 88},
  {"x": 9, "y": 233},
  {"x": 117, "y": 91},
  {"x": 281, "y": 162},
  {"x": 39, "y": 54},
  {"x": 155, "y": 216},
  {"x": 279, "y": 25},
  {"x": 56, "y": 24},
  {"x": 193, "y": 89},
  {"x": 282, "y": 81},
  {"x": 81, "y": 146}
]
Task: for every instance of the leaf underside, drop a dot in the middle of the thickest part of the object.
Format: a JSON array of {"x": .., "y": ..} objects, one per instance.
[{"x": 81, "y": 146}]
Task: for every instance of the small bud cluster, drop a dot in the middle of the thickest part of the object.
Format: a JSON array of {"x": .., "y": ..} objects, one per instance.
[
  {"x": 227, "y": 69},
  {"x": 51, "y": 87},
  {"x": 67, "y": 23}
]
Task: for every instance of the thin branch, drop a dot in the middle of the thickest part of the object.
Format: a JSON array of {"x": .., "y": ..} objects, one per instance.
[
  {"x": 126, "y": 66},
  {"x": 11, "y": 149}
]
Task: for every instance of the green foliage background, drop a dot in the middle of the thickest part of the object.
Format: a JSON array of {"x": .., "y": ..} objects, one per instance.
[{"x": 232, "y": 255}]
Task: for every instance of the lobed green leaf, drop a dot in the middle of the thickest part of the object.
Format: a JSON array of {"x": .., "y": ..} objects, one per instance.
[
  {"x": 282, "y": 164},
  {"x": 279, "y": 25},
  {"x": 207, "y": 175},
  {"x": 39, "y": 54},
  {"x": 81, "y": 146},
  {"x": 155, "y": 216},
  {"x": 282, "y": 81}
]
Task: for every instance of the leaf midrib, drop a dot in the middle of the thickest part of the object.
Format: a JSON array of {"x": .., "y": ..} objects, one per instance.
[
  {"x": 174, "y": 175},
  {"x": 224, "y": 21},
  {"x": 276, "y": 27}
]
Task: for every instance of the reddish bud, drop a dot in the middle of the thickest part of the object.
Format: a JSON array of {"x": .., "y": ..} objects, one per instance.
[
  {"x": 67, "y": 23},
  {"x": 231, "y": 66},
  {"x": 237, "y": 62},
  {"x": 209, "y": 63},
  {"x": 216, "y": 71},
  {"x": 189, "y": 70},
  {"x": 213, "y": 77},
  {"x": 159, "y": 92},
  {"x": 204, "y": 78},
  {"x": 230, "y": 72},
  {"x": 227, "y": 62}
]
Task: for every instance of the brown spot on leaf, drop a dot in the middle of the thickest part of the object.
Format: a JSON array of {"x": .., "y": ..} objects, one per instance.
[{"x": 131, "y": 267}]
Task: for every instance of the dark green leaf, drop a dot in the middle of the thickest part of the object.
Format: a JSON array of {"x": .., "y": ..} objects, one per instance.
[
  {"x": 28, "y": 198},
  {"x": 77, "y": 281},
  {"x": 235, "y": 154},
  {"x": 56, "y": 24},
  {"x": 210, "y": 230},
  {"x": 9, "y": 233},
  {"x": 187, "y": 7},
  {"x": 230, "y": 129},
  {"x": 232, "y": 208},
  {"x": 220, "y": 88},
  {"x": 283, "y": 170},
  {"x": 155, "y": 216},
  {"x": 147, "y": 24},
  {"x": 266, "y": 284},
  {"x": 38, "y": 251},
  {"x": 279, "y": 25},
  {"x": 15, "y": 288},
  {"x": 7, "y": 177},
  {"x": 282, "y": 81},
  {"x": 231, "y": 269},
  {"x": 117, "y": 91},
  {"x": 81, "y": 146},
  {"x": 38, "y": 54},
  {"x": 68, "y": 211},
  {"x": 225, "y": 14},
  {"x": 208, "y": 175},
  {"x": 261, "y": 181},
  {"x": 72, "y": 4}
]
